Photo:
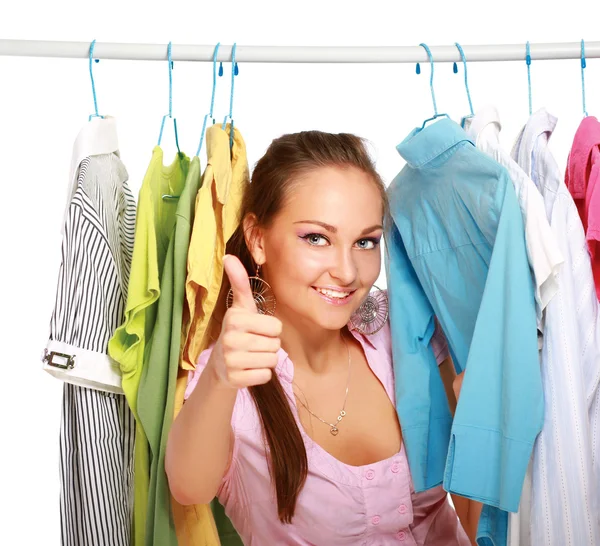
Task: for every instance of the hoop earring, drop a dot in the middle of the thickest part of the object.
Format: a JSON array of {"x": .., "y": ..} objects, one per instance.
[
  {"x": 261, "y": 292},
  {"x": 372, "y": 314}
]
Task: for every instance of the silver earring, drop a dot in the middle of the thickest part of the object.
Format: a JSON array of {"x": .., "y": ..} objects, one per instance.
[
  {"x": 261, "y": 292},
  {"x": 372, "y": 314}
]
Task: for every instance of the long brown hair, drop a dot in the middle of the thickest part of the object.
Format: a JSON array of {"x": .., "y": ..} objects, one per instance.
[{"x": 286, "y": 160}]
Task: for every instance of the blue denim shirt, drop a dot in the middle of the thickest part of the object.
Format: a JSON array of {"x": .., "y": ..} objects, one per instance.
[{"x": 456, "y": 250}]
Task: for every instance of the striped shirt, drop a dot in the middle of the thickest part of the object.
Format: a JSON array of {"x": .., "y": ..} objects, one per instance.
[
  {"x": 565, "y": 486},
  {"x": 96, "y": 256},
  {"x": 97, "y": 427}
]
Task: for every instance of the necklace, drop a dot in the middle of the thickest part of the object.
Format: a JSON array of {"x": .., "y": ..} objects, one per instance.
[{"x": 333, "y": 427}]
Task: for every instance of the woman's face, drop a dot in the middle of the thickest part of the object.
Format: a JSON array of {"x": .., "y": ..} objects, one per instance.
[{"x": 321, "y": 253}]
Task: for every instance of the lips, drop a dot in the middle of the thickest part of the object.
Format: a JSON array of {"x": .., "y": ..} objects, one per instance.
[
  {"x": 334, "y": 296},
  {"x": 338, "y": 294}
]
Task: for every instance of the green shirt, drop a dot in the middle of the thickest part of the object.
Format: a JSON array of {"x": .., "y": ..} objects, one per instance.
[
  {"x": 129, "y": 345},
  {"x": 159, "y": 376}
]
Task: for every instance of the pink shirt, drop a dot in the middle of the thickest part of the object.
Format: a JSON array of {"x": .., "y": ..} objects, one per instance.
[
  {"x": 339, "y": 504},
  {"x": 583, "y": 180}
]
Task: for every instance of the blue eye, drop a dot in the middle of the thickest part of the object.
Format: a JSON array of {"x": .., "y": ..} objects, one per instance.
[
  {"x": 367, "y": 244},
  {"x": 315, "y": 239}
]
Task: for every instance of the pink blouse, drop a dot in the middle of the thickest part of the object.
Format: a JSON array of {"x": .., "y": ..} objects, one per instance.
[{"x": 340, "y": 504}]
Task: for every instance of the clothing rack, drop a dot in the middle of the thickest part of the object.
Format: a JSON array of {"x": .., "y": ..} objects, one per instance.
[{"x": 298, "y": 54}]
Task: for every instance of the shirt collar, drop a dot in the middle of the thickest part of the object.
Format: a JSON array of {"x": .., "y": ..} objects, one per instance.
[
  {"x": 540, "y": 123},
  {"x": 586, "y": 139},
  {"x": 97, "y": 137},
  {"x": 484, "y": 118},
  {"x": 422, "y": 146}
]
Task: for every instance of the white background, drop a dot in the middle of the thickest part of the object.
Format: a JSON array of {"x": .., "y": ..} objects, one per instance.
[{"x": 44, "y": 103}]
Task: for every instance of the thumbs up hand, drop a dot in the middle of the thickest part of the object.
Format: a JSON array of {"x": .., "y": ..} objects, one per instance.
[{"x": 246, "y": 352}]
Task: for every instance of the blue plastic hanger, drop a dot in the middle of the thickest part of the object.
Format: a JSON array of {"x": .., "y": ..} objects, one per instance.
[
  {"x": 96, "y": 115},
  {"x": 170, "y": 114},
  {"x": 528, "y": 61},
  {"x": 464, "y": 60},
  {"x": 583, "y": 65},
  {"x": 234, "y": 73},
  {"x": 212, "y": 100},
  {"x": 436, "y": 115}
]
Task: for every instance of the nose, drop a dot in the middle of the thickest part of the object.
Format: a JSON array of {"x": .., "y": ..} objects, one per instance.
[{"x": 344, "y": 268}]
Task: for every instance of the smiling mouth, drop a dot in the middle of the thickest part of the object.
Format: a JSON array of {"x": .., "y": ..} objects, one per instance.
[{"x": 334, "y": 296}]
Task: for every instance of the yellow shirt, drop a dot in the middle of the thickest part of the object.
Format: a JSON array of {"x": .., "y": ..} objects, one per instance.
[
  {"x": 154, "y": 226},
  {"x": 215, "y": 221}
]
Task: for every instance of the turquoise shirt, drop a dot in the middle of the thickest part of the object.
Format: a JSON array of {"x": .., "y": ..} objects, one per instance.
[{"x": 456, "y": 250}]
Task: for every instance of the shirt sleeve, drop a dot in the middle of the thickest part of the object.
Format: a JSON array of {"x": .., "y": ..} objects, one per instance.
[
  {"x": 88, "y": 306},
  {"x": 543, "y": 252},
  {"x": 129, "y": 340},
  {"x": 500, "y": 410},
  {"x": 417, "y": 378},
  {"x": 545, "y": 257}
]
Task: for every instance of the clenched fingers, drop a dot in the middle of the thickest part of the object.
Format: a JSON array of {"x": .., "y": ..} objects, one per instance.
[
  {"x": 248, "y": 361},
  {"x": 253, "y": 323},
  {"x": 253, "y": 343}
]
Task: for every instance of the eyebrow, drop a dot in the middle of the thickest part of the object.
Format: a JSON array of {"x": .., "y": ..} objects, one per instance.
[{"x": 333, "y": 229}]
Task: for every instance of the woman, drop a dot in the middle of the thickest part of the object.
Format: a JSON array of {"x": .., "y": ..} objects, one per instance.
[{"x": 290, "y": 419}]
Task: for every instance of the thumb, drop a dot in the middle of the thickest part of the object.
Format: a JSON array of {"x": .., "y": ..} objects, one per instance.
[{"x": 238, "y": 278}]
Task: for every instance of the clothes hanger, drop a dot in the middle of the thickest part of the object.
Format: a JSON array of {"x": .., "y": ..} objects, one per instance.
[
  {"x": 168, "y": 197},
  {"x": 528, "y": 62},
  {"x": 583, "y": 65},
  {"x": 455, "y": 69},
  {"x": 170, "y": 114},
  {"x": 436, "y": 115},
  {"x": 212, "y": 100},
  {"x": 96, "y": 115},
  {"x": 234, "y": 73}
]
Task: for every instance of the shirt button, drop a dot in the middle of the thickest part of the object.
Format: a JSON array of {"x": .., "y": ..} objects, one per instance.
[
  {"x": 369, "y": 474},
  {"x": 401, "y": 535},
  {"x": 375, "y": 520},
  {"x": 402, "y": 509},
  {"x": 395, "y": 468}
]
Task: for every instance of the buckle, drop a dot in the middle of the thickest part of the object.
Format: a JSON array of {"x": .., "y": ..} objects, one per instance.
[{"x": 64, "y": 362}]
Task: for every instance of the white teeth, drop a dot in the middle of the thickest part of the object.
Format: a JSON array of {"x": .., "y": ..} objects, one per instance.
[{"x": 332, "y": 293}]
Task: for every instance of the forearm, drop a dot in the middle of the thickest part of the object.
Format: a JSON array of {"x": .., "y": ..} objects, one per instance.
[{"x": 200, "y": 442}]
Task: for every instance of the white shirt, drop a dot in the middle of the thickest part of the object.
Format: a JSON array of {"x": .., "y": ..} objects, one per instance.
[
  {"x": 545, "y": 258},
  {"x": 565, "y": 494}
]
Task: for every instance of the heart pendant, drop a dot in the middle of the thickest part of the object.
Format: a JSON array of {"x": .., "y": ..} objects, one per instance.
[{"x": 334, "y": 431}]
